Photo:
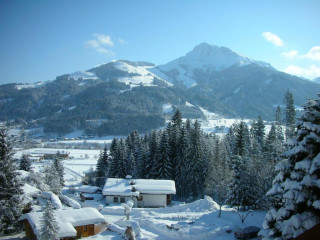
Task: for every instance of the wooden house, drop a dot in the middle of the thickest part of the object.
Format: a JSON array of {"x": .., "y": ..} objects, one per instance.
[
  {"x": 143, "y": 192},
  {"x": 73, "y": 224}
]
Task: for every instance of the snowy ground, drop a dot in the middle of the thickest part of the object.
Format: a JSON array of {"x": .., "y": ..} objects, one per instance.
[
  {"x": 79, "y": 161},
  {"x": 196, "y": 220}
]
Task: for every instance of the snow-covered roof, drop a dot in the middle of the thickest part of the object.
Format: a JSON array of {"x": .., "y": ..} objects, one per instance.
[
  {"x": 67, "y": 220},
  {"x": 122, "y": 187},
  {"x": 88, "y": 189}
]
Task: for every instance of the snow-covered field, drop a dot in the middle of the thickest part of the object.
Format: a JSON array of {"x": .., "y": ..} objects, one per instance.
[
  {"x": 195, "y": 220},
  {"x": 79, "y": 161}
]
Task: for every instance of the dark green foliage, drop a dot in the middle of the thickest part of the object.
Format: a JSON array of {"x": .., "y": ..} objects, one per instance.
[
  {"x": 10, "y": 187},
  {"x": 25, "y": 163},
  {"x": 103, "y": 167},
  {"x": 290, "y": 115},
  {"x": 162, "y": 168}
]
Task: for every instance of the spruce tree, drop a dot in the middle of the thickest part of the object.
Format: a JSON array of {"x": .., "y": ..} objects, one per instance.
[
  {"x": 49, "y": 225},
  {"x": 181, "y": 168},
  {"x": 103, "y": 167},
  {"x": 163, "y": 168},
  {"x": 219, "y": 174},
  {"x": 122, "y": 159},
  {"x": 196, "y": 161},
  {"x": 290, "y": 115},
  {"x": 10, "y": 187},
  {"x": 52, "y": 179},
  {"x": 296, "y": 186},
  {"x": 25, "y": 163},
  {"x": 153, "y": 146},
  {"x": 114, "y": 158},
  {"x": 57, "y": 164}
]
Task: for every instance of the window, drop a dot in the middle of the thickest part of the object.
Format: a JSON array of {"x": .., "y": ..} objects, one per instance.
[
  {"x": 122, "y": 199},
  {"x": 85, "y": 228},
  {"x": 115, "y": 199}
]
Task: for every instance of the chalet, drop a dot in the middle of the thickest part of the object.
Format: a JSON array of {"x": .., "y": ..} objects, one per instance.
[
  {"x": 143, "y": 192},
  {"x": 73, "y": 224}
]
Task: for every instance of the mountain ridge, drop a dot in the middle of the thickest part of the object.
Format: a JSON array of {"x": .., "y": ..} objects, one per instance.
[{"x": 129, "y": 95}]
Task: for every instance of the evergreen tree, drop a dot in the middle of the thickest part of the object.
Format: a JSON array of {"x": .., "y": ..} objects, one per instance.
[
  {"x": 57, "y": 164},
  {"x": 260, "y": 134},
  {"x": 114, "y": 157},
  {"x": 177, "y": 118},
  {"x": 49, "y": 225},
  {"x": 236, "y": 188},
  {"x": 153, "y": 146},
  {"x": 143, "y": 158},
  {"x": 131, "y": 165},
  {"x": 103, "y": 167},
  {"x": 52, "y": 179},
  {"x": 196, "y": 162},
  {"x": 163, "y": 168},
  {"x": 181, "y": 168},
  {"x": 122, "y": 159},
  {"x": 241, "y": 188},
  {"x": 290, "y": 115},
  {"x": 25, "y": 163},
  {"x": 219, "y": 174},
  {"x": 10, "y": 187},
  {"x": 296, "y": 186}
]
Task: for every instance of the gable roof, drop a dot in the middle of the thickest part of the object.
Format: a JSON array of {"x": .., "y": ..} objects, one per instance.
[
  {"x": 67, "y": 220},
  {"x": 122, "y": 187}
]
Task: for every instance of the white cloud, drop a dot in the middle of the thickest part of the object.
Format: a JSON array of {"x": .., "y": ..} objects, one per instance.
[
  {"x": 310, "y": 72},
  {"x": 314, "y": 53},
  {"x": 93, "y": 43},
  {"x": 104, "y": 39},
  {"x": 274, "y": 39},
  {"x": 291, "y": 54},
  {"x": 100, "y": 43},
  {"x": 122, "y": 41}
]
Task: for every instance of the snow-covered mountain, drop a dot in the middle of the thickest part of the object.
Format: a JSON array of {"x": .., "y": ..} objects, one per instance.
[
  {"x": 316, "y": 80},
  {"x": 124, "y": 95},
  {"x": 133, "y": 74},
  {"x": 205, "y": 58}
]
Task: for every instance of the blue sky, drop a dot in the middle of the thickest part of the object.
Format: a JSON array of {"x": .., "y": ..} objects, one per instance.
[{"x": 40, "y": 40}]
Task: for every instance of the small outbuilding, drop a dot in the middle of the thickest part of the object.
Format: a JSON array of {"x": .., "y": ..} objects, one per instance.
[
  {"x": 143, "y": 192},
  {"x": 73, "y": 223}
]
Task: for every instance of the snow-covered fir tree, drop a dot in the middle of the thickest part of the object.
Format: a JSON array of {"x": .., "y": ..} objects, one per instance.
[
  {"x": 25, "y": 163},
  {"x": 103, "y": 167},
  {"x": 58, "y": 165},
  {"x": 49, "y": 225},
  {"x": 10, "y": 187},
  {"x": 296, "y": 187},
  {"x": 52, "y": 179},
  {"x": 219, "y": 174}
]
